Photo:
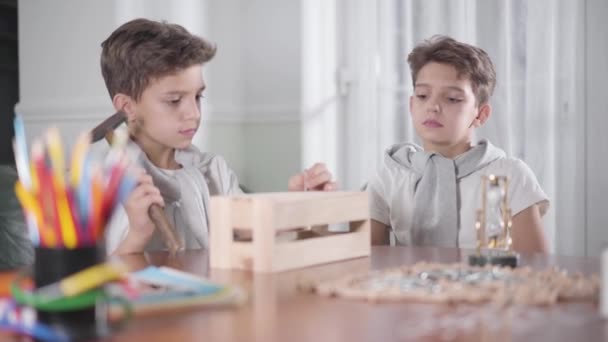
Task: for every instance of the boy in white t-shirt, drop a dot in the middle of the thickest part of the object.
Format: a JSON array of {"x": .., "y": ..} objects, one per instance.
[
  {"x": 428, "y": 196},
  {"x": 153, "y": 72}
]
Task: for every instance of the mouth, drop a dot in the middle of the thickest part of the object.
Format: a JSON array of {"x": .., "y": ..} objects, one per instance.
[
  {"x": 188, "y": 132},
  {"x": 432, "y": 123}
]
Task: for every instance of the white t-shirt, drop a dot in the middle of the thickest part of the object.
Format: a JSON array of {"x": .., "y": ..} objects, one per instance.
[{"x": 392, "y": 192}]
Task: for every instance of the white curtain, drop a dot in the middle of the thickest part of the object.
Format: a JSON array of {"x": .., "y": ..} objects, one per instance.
[{"x": 538, "y": 51}]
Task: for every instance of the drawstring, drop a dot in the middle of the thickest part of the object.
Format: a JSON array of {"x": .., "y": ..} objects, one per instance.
[{"x": 177, "y": 205}]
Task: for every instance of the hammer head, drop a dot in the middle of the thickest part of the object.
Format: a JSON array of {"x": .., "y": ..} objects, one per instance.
[{"x": 107, "y": 126}]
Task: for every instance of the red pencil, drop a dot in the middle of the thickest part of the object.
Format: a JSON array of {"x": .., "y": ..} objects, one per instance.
[
  {"x": 116, "y": 173},
  {"x": 46, "y": 192}
]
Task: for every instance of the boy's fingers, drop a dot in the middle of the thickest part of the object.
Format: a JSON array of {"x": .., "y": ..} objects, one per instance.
[
  {"x": 144, "y": 201},
  {"x": 305, "y": 182},
  {"x": 150, "y": 189},
  {"x": 318, "y": 180},
  {"x": 316, "y": 169},
  {"x": 138, "y": 192},
  {"x": 138, "y": 171},
  {"x": 144, "y": 190},
  {"x": 330, "y": 186},
  {"x": 145, "y": 179},
  {"x": 158, "y": 199},
  {"x": 147, "y": 201},
  {"x": 316, "y": 177}
]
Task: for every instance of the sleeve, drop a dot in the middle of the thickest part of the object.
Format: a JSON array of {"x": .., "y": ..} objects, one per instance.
[
  {"x": 525, "y": 190},
  {"x": 233, "y": 187},
  {"x": 224, "y": 176},
  {"x": 378, "y": 198}
]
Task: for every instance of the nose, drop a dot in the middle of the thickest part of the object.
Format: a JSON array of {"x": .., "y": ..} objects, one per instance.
[
  {"x": 433, "y": 107},
  {"x": 193, "y": 112}
]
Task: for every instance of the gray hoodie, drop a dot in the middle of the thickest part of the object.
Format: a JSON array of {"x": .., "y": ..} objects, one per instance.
[
  {"x": 422, "y": 196},
  {"x": 186, "y": 193}
]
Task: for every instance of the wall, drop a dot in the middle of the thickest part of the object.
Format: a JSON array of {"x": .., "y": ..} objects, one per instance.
[
  {"x": 251, "y": 114},
  {"x": 59, "y": 73},
  {"x": 261, "y": 80},
  {"x": 596, "y": 127}
]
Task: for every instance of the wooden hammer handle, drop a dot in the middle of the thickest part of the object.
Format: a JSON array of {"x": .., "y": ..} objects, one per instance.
[
  {"x": 157, "y": 215},
  {"x": 155, "y": 211}
]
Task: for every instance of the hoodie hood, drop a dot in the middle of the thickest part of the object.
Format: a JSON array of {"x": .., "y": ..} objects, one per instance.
[{"x": 413, "y": 157}]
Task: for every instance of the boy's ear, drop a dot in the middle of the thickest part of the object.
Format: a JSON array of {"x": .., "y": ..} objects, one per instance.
[
  {"x": 483, "y": 114},
  {"x": 124, "y": 103}
]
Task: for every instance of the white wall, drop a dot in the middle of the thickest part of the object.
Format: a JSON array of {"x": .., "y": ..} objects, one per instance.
[
  {"x": 251, "y": 114},
  {"x": 320, "y": 97},
  {"x": 254, "y": 89},
  {"x": 59, "y": 73},
  {"x": 597, "y": 126},
  {"x": 272, "y": 105}
]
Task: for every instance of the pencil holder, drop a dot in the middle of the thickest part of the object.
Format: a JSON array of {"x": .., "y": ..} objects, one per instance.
[
  {"x": 52, "y": 265},
  {"x": 66, "y": 215}
]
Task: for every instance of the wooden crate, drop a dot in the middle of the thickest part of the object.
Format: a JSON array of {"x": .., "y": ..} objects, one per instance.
[{"x": 267, "y": 215}]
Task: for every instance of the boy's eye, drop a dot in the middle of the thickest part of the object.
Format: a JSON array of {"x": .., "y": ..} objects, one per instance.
[
  {"x": 421, "y": 96},
  {"x": 199, "y": 97},
  {"x": 454, "y": 99},
  {"x": 175, "y": 101}
]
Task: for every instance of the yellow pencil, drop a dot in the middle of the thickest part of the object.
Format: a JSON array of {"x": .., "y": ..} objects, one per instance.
[
  {"x": 55, "y": 147},
  {"x": 35, "y": 180},
  {"x": 78, "y": 154},
  {"x": 68, "y": 230},
  {"x": 30, "y": 205},
  {"x": 84, "y": 280}
]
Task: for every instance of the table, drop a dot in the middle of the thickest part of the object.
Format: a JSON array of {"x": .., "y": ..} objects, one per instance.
[{"x": 278, "y": 311}]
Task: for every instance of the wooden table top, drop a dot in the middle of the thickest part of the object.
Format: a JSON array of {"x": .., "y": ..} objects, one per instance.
[{"x": 278, "y": 311}]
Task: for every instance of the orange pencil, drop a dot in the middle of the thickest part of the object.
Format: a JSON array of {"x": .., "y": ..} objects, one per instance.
[{"x": 97, "y": 204}]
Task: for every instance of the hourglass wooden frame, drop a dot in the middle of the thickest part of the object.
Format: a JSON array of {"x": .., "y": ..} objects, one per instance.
[{"x": 496, "y": 249}]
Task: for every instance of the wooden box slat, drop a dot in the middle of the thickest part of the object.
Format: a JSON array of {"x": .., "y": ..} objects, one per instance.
[{"x": 267, "y": 215}]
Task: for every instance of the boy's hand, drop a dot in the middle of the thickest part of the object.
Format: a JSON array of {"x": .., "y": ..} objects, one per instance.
[
  {"x": 141, "y": 226},
  {"x": 315, "y": 178}
]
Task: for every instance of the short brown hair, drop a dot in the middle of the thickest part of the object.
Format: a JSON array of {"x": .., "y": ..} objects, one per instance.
[
  {"x": 142, "y": 49},
  {"x": 469, "y": 60}
]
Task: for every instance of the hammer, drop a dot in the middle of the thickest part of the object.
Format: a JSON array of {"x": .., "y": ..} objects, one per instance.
[{"x": 155, "y": 211}]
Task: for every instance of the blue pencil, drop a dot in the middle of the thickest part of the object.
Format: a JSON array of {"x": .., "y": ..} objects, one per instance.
[{"x": 20, "y": 150}]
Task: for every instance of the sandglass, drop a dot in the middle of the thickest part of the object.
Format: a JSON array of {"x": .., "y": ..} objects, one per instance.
[{"x": 493, "y": 225}]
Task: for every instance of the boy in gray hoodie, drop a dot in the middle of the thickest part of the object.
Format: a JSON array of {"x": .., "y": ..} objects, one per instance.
[
  {"x": 153, "y": 72},
  {"x": 428, "y": 196}
]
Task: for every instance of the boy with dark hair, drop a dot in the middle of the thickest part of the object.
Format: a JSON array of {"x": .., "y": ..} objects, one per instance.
[
  {"x": 429, "y": 195},
  {"x": 153, "y": 72}
]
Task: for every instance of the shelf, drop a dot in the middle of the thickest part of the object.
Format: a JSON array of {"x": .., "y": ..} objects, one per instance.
[
  {"x": 9, "y": 67},
  {"x": 11, "y": 37},
  {"x": 8, "y": 4}
]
